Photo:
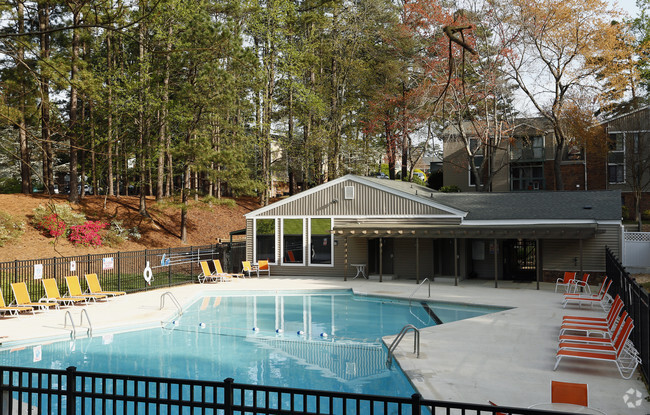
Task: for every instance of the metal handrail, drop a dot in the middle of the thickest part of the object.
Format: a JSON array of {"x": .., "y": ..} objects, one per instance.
[
  {"x": 89, "y": 331},
  {"x": 418, "y": 287},
  {"x": 162, "y": 302},
  {"x": 73, "y": 333},
  {"x": 400, "y": 336}
]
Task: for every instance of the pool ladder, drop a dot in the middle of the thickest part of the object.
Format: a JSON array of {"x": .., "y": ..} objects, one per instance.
[
  {"x": 170, "y": 295},
  {"x": 73, "y": 333},
  {"x": 400, "y": 336},
  {"x": 418, "y": 287}
]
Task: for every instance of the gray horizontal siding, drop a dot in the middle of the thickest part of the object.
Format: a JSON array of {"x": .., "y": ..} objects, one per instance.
[
  {"x": 564, "y": 254},
  {"x": 368, "y": 201}
]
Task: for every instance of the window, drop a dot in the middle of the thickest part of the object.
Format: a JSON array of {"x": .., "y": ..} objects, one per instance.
[
  {"x": 526, "y": 176},
  {"x": 478, "y": 152},
  {"x": 321, "y": 241},
  {"x": 527, "y": 148},
  {"x": 292, "y": 241},
  {"x": 265, "y": 240},
  {"x": 616, "y": 157}
]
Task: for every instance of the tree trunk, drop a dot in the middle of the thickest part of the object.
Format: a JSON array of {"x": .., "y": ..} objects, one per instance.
[
  {"x": 109, "y": 116},
  {"x": 141, "y": 119},
  {"x": 48, "y": 167},
  {"x": 184, "y": 191},
  {"x": 559, "y": 148},
  {"x": 76, "y": 11},
  {"x": 25, "y": 171}
]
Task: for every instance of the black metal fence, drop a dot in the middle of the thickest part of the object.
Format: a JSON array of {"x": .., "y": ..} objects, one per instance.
[
  {"x": 637, "y": 303},
  {"x": 48, "y": 391},
  {"x": 121, "y": 271}
]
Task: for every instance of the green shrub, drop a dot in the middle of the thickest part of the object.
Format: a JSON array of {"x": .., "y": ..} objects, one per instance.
[
  {"x": 10, "y": 228},
  {"x": 450, "y": 189},
  {"x": 63, "y": 212},
  {"x": 10, "y": 185},
  {"x": 213, "y": 201},
  {"x": 625, "y": 213},
  {"x": 645, "y": 215}
]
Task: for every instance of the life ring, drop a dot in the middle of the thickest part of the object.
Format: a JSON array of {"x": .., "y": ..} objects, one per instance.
[{"x": 148, "y": 275}]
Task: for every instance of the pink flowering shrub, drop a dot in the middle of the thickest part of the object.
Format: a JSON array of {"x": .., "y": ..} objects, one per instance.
[
  {"x": 87, "y": 234},
  {"x": 52, "y": 225}
]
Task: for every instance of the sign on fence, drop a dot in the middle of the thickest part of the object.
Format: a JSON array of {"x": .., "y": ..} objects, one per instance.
[
  {"x": 38, "y": 271},
  {"x": 107, "y": 263}
]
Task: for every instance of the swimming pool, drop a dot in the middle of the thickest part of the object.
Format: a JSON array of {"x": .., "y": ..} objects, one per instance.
[{"x": 326, "y": 340}]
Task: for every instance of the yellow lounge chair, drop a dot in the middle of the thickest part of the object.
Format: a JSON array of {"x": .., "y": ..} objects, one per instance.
[
  {"x": 218, "y": 269},
  {"x": 262, "y": 265},
  {"x": 95, "y": 288},
  {"x": 21, "y": 298},
  {"x": 52, "y": 293},
  {"x": 247, "y": 268},
  {"x": 74, "y": 290},
  {"x": 13, "y": 311},
  {"x": 207, "y": 274}
]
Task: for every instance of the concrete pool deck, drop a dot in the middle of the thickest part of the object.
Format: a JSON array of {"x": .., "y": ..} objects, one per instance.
[{"x": 506, "y": 357}]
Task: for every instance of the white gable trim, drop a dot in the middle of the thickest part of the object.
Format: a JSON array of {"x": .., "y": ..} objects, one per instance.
[{"x": 360, "y": 180}]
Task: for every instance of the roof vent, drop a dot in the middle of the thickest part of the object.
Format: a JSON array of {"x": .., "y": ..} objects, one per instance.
[
  {"x": 349, "y": 192},
  {"x": 587, "y": 207}
]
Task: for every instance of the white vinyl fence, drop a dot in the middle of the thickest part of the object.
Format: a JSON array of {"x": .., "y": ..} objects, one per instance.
[{"x": 636, "y": 251}]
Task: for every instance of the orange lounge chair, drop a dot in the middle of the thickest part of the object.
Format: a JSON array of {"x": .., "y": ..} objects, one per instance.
[
  {"x": 624, "y": 358},
  {"x": 21, "y": 298},
  {"x": 617, "y": 305},
  {"x": 14, "y": 310},
  {"x": 74, "y": 290},
  {"x": 565, "y": 281},
  {"x": 603, "y": 299},
  {"x": 263, "y": 265},
  {"x": 578, "y": 285},
  {"x": 604, "y": 337},
  {"x": 585, "y": 325},
  {"x": 600, "y": 291},
  {"x": 610, "y": 347},
  {"x": 95, "y": 288},
  {"x": 52, "y": 293}
]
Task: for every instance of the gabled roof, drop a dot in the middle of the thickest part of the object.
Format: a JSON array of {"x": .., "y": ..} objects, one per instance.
[
  {"x": 537, "y": 207},
  {"x": 411, "y": 191}
]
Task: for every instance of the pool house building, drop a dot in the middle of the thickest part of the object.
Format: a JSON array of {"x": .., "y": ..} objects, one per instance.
[{"x": 398, "y": 230}]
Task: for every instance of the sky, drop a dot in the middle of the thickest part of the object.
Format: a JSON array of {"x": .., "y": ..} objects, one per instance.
[{"x": 627, "y": 5}]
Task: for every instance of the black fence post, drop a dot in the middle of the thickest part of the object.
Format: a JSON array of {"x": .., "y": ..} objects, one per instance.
[
  {"x": 146, "y": 286},
  {"x": 15, "y": 270},
  {"x": 70, "y": 390},
  {"x": 87, "y": 264},
  {"x": 119, "y": 274},
  {"x": 227, "y": 396},
  {"x": 415, "y": 403},
  {"x": 169, "y": 267},
  {"x": 191, "y": 261}
]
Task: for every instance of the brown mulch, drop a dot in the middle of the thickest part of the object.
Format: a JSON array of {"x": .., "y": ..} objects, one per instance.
[{"x": 205, "y": 224}]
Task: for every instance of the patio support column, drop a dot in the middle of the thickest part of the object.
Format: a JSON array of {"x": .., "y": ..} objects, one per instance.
[
  {"x": 581, "y": 270},
  {"x": 537, "y": 261},
  {"x": 417, "y": 260},
  {"x": 496, "y": 264},
  {"x": 345, "y": 260},
  {"x": 381, "y": 259},
  {"x": 455, "y": 261}
]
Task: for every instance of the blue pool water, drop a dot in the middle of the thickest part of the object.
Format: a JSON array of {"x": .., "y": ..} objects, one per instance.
[{"x": 327, "y": 340}]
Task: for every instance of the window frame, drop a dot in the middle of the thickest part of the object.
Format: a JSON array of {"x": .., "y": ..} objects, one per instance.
[
  {"x": 309, "y": 235},
  {"x": 613, "y": 145},
  {"x": 275, "y": 240},
  {"x": 304, "y": 250}
]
